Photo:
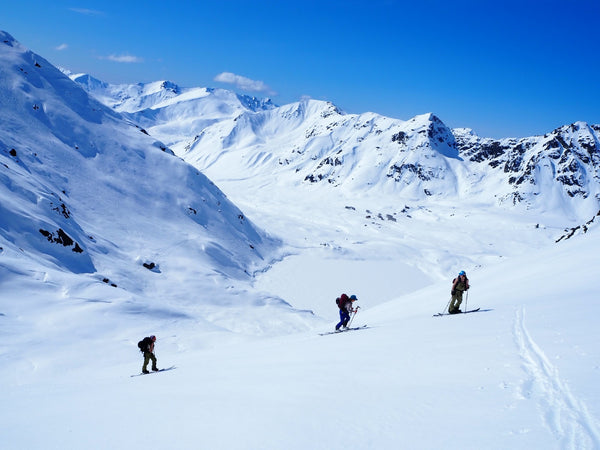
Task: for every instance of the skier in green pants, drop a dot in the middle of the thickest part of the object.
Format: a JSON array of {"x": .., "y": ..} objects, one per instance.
[
  {"x": 459, "y": 285},
  {"x": 146, "y": 346}
]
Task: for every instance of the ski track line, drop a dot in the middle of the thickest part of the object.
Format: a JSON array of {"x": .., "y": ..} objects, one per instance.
[{"x": 565, "y": 415}]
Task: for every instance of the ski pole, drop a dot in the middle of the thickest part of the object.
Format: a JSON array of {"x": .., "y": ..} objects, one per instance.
[
  {"x": 355, "y": 311},
  {"x": 447, "y": 306},
  {"x": 467, "y": 301}
]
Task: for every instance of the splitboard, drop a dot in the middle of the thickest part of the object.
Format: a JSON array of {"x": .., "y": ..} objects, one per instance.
[
  {"x": 343, "y": 331},
  {"x": 154, "y": 371},
  {"x": 457, "y": 314}
]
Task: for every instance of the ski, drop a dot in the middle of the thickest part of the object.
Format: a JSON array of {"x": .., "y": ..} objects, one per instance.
[
  {"x": 154, "y": 371},
  {"x": 457, "y": 314},
  {"x": 343, "y": 331}
]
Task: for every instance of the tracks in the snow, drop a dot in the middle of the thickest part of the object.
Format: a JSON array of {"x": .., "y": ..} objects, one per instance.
[{"x": 565, "y": 415}]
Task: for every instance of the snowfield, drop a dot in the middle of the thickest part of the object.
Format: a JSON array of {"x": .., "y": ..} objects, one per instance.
[
  {"x": 236, "y": 272},
  {"x": 521, "y": 373}
]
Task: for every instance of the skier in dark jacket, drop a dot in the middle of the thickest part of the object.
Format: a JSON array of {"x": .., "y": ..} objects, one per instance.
[
  {"x": 459, "y": 285},
  {"x": 147, "y": 348},
  {"x": 345, "y": 305}
]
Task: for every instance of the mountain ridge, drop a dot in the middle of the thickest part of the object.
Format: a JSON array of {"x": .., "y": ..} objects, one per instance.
[
  {"x": 81, "y": 186},
  {"x": 421, "y": 157}
]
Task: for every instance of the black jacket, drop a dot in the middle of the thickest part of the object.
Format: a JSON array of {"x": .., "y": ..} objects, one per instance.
[{"x": 147, "y": 344}]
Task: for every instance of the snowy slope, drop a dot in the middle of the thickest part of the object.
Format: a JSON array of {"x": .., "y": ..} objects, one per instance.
[
  {"x": 251, "y": 372},
  {"x": 519, "y": 374},
  {"x": 86, "y": 192}
]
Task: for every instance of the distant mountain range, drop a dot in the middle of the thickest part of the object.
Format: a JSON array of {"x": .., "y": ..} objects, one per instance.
[
  {"x": 314, "y": 142},
  {"x": 91, "y": 179}
]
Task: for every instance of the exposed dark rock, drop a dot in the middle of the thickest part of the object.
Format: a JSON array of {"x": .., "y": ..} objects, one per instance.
[
  {"x": 107, "y": 281},
  {"x": 60, "y": 237},
  {"x": 64, "y": 238},
  {"x": 397, "y": 172},
  {"x": 62, "y": 210},
  {"x": 313, "y": 178},
  {"x": 400, "y": 137},
  {"x": 329, "y": 161}
]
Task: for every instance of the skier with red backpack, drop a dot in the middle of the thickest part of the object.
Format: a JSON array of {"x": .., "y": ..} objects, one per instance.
[{"x": 344, "y": 303}]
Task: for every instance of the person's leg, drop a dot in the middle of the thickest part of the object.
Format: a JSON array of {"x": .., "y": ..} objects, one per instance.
[
  {"x": 146, "y": 361},
  {"x": 458, "y": 300},
  {"x": 346, "y": 318},
  {"x": 341, "y": 322},
  {"x": 451, "y": 306},
  {"x": 455, "y": 302}
]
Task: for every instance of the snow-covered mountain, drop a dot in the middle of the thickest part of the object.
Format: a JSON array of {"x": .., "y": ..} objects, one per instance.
[
  {"x": 564, "y": 161},
  {"x": 314, "y": 142},
  {"x": 170, "y": 112},
  {"x": 106, "y": 237},
  {"x": 85, "y": 191}
]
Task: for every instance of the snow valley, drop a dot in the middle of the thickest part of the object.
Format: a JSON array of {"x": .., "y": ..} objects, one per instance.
[{"x": 226, "y": 226}]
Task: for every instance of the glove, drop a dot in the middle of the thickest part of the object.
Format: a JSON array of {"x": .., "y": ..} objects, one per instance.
[{"x": 453, "y": 291}]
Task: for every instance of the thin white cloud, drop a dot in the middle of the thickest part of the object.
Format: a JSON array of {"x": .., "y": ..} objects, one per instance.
[
  {"x": 123, "y": 58},
  {"x": 87, "y": 12},
  {"x": 61, "y": 47},
  {"x": 243, "y": 83}
]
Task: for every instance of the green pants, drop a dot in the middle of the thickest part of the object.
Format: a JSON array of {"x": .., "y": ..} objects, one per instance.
[
  {"x": 456, "y": 300},
  {"x": 147, "y": 357}
]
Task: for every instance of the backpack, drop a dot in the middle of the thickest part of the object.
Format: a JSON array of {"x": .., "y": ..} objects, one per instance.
[
  {"x": 341, "y": 300},
  {"x": 144, "y": 344}
]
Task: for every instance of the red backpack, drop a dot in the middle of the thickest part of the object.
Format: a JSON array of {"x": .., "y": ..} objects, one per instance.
[{"x": 341, "y": 300}]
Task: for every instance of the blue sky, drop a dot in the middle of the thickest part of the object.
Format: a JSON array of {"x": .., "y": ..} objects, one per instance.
[{"x": 503, "y": 68}]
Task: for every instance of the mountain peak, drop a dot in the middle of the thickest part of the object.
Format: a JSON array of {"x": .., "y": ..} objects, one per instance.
[
  {"x": 86, "y": 80},
  {"x": 78, "y": 177},
  {"x": 323, "y": 145},
  {"x": 7, "y": 39}
]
